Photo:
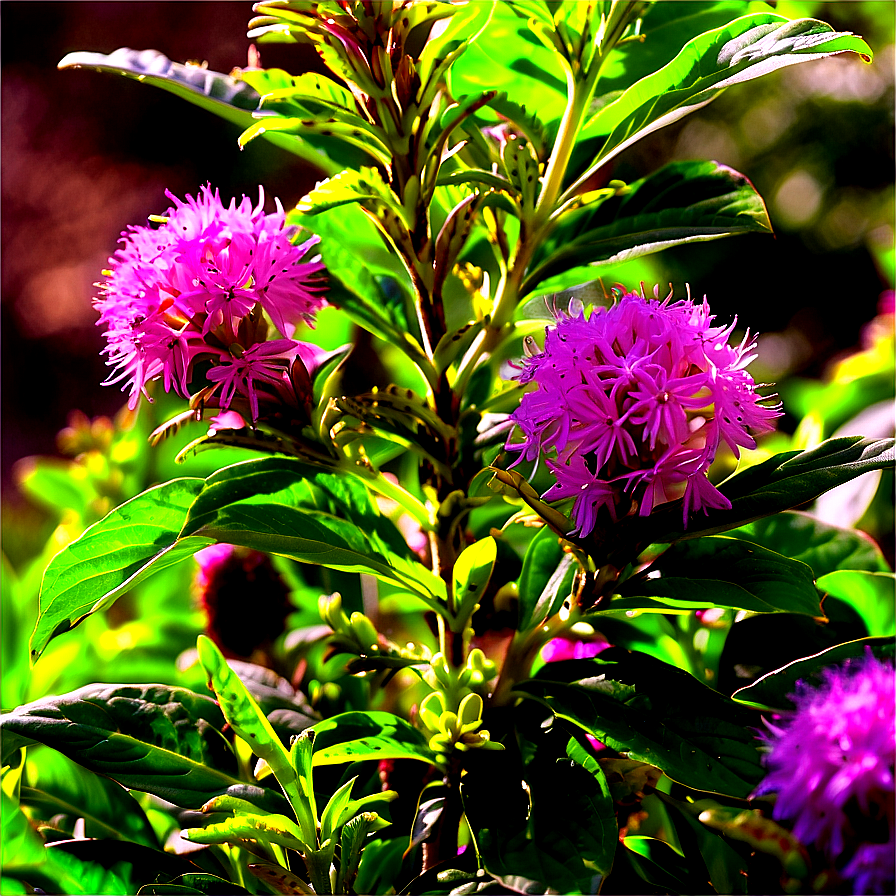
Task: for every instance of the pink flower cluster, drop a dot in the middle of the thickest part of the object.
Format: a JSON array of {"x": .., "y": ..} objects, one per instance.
[
  {"x": 632, "y": 403},
  {"x": 832, "y": 766},
  {"x": 198, "y": 287}
]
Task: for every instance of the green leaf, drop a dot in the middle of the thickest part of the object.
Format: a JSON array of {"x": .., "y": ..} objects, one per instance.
[
  {"x": 772, "y": 691},
  {"x": 22, "y": 845},
  {"x": 871, "y": 594},
  {"x": 716, "y": 571},
  {"x": 343, "y": 126},
  {"x": 683, "y": 202},
  {"x": 154, "y": 738},
  {"x": 472, "y": 573},
  {"x": 248, "y": 721},
  {"x": 657, "y": 714},
  {"x": 666, "y": 28},
  {"x": 508, "y": 57},
  {"x": 332, "y": 814},
  {"x": 284, "y": 507},
  {"x": 824, "y": 547},
  {"x": 374, "y": 295},
  {"x": 190, "y": 884},
  {"x": 113, "y": 555},
  {"x": 353, "y": 736},
  {"x": 746, "y": 48},
  {"x": 564, "y": 844},
  {"x": 265, "y": 828},
  {"x": 443, "y": 52},
  {"x": 546, "y": 579},
  {"x": 233, "y": 99},
  {"x": 779, "y": 483},
  {"x": 58, "y": 785}
]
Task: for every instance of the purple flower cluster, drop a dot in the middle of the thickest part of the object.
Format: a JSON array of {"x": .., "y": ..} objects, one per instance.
[
  {"x": 632, "y": 403},
  {"x": 832, "y": 766},
  {"x": 199, "y": 287}
]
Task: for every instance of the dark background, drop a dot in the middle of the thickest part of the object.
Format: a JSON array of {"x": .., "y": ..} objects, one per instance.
[{"x": 84, "y": 155}]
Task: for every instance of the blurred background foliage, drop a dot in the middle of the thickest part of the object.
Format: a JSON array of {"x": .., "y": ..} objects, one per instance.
[{"x": 85, "y": 155}]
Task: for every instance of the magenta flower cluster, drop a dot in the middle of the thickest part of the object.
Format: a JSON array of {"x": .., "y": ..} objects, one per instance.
[
  {"x": 632, "y": 403},
  {"x": 832, "y": 767},
  {"x": 201, "y": 286}
]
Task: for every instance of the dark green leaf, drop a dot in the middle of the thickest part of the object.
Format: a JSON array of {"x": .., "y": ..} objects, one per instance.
[
  {"x": 657, "y": 714},
  {"x": 683, "y": 202},
  {"x": 59, "y": 785},
  {"x": 779, "y": 483},
  {"x": 746, "y": 48},
  {"x": 772, "y": 691},
  {"x": 139, "y": 537},
  {"x": 234, "y": 100},
  {"x": 724, "y": 572},
  {"x": 546, "y": 578},
  {"x": 824, "y": 547},
  {"x": 566, "y": 847},
  {"x": 284, "y": 507},
  {"x": 158, "y": 739},
  {"x": 190, "y": 884},
  {"x": 352, "y": 736}
]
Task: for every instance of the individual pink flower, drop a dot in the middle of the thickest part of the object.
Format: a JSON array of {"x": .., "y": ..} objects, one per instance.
[
  {"x": 242, "y": 373},
  {"x": 832, "y": 766},
  {"x": 179, "y": 292},
  {"x": 631, "y": 404}
]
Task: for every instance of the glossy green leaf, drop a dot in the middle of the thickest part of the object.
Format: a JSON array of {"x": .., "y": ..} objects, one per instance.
[
  {"x": 564, "y": 844},
  {"x": 353, "y": 736},
  {"x": 683, "y": 202},
  {"x": 26, "y": 857},
  {"x": 191, "y": 884},
  {"x": 824, "y": 547},
  {"x": 248, "y": 721},
  {"x": 284, "y": 507},
  {"x": 546, "y": 578},
  {"x": 724, "y": 572},
  {"x": 22, "y": 845},
  {"x": 232, "y": 99},
  {"x": 657, "y": 714},
  {"x": 472, "y": 573},
  {"x": 350, "y": 129},
  {"x": 666, "y": 27},
  {"x": 158, "y": 739},
  {"x": 58, "y": 785},
  {"x": 443, "y": 51},
  {"x": 265, "y": 828},
  {"x": 113, "y": 555},
  {"x": 772, "y": 691},
  {"x": 375, "y": 294},
  {"x": 779, "y": 483},
  {"x": 508, "y": 57},
  {"x": 744, "y": 49},
  {"x": 871, "y": 594}
]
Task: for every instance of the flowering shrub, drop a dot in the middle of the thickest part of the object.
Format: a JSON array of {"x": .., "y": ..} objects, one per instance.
[
  {"x": 635, "y": 400},
  {"x": 440, "y": 683}
]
